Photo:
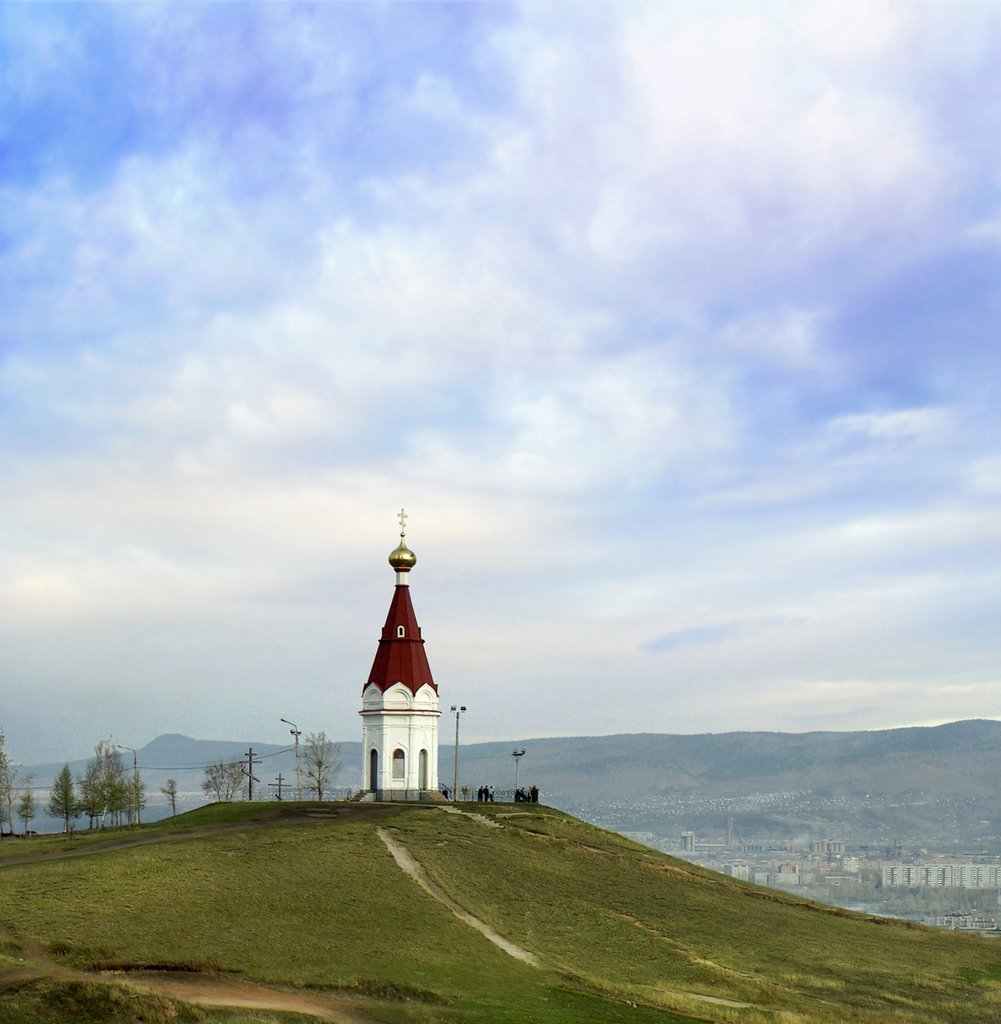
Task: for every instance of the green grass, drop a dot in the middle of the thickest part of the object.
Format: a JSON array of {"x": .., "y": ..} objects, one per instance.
[{"x": 626, "y": 934}]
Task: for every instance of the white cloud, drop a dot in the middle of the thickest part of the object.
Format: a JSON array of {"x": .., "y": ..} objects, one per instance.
[
  {"x": 720, "y": 143},
  {"x": 986, "y": 475},
  {"x": 899, "y": 425},
  {"x": 786, "y": 335}
]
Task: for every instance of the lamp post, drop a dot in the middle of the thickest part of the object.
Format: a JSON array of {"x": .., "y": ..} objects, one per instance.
[
  {"x": 135, "y": 777},
  {"x": 517, "y": 755},
  {"x": 457, "y": 710},
  {"x": 296, "y": 733}
]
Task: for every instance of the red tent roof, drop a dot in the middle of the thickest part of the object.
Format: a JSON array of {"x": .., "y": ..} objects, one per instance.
[{"x": 401, "y": 659}]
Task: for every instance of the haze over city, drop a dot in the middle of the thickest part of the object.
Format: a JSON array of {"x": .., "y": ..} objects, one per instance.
[{"x": 673, "y": 327}]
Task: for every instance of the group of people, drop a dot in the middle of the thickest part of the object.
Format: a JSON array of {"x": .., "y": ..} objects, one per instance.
[{"x": 485, "y": 794}]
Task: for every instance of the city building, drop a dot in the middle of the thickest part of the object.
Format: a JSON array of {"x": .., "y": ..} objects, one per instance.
[{"x": 942, "y": 876}]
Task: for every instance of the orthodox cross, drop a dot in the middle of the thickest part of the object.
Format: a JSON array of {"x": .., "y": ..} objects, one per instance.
[{"x": 403, "y": 523}]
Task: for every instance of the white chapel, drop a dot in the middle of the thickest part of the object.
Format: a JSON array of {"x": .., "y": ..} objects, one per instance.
[{"x": 400, "y": 700}]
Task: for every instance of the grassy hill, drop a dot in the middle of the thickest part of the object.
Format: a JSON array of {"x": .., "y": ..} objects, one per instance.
[{"x": 304, "y": 908}]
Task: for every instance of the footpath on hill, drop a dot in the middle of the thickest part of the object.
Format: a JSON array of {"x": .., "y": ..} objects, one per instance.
[
  {"x": 411, "y": 867},
  {"x": 201, "y": 989}
]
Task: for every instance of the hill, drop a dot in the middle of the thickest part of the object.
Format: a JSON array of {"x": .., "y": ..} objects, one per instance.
[
  {"x": 426, "y": 913},
  {"x": 933, "y": 784}
]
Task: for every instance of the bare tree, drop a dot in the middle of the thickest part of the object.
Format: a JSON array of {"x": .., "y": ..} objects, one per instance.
[
  {"x": 6, "y": 801},
  {"x": 223, "y": 779},
  {"x": 323, "y": 761},
  {"x": 90, "y": 793},
  {"x": 135, "y": 799},
  {"x": 104, "y": 788},
  {"x": 26, "y": 809},
  {"x": 170, "y": 792},
  {"x": 11, "y": 784}
]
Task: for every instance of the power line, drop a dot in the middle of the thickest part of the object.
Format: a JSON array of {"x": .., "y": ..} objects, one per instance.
[
  {"x": 196, "y": 767},
  {"x": 201, "y": 766}
]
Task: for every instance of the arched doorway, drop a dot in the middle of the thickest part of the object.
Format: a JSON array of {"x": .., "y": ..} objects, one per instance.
[
  {"x": 373, "y": 769},
  {"x": 423, "y": 769}
]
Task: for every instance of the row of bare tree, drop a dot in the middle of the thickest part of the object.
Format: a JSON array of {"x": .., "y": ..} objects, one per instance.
[
  {"x": 106, "y": 792},
  {"x": 109, "y": 794},
  {"x": 226, "y": 780}
]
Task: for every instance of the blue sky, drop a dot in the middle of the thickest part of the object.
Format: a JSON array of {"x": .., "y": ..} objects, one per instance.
[{"x": 673, "y": 326}]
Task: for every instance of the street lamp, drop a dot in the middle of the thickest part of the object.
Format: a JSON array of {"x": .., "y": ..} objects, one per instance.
[
  {"x": 135, "y": 777},
  {"x": 457, "y": 710},
  {"x": 517, "y": 755},
  {"x": 296, "y": 733}
]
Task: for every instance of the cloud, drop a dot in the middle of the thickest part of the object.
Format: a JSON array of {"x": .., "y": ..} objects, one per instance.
[
  {"x": 698, "y": 636},
  {"x": 665, "y": 322},
  {"x": 899, "y": 425}
]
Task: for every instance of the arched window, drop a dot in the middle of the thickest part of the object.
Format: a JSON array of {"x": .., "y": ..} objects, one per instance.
[
  {"x": 399, "y": 764},
  {"x": 400, "y": 631}
]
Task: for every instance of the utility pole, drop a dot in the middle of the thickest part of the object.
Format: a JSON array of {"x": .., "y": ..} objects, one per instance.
[
  {"x": 249, "y": 772},
  {"x": 457, "y": 711},
  {"x": 296, "y": 733}
]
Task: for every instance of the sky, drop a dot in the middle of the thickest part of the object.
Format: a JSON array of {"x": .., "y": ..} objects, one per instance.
[{"x": 674, "y": 328}]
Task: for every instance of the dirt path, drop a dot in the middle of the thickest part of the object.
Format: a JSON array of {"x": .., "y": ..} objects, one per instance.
[
  {"x": 411, "y": 867},
  {"x": 481, "y": 818},
  {"x": 204, "y": 991},
  {"x": 199, "y": 989}
]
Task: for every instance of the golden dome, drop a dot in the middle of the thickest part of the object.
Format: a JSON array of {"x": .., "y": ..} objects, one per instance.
[{"x": 402, "y": 559}]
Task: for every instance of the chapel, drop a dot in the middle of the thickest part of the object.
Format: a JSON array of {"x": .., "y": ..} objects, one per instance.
[{"x": 400, "y": 700}]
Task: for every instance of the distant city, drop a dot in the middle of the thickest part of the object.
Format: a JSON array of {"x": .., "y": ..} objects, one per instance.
[{"x": 956, "y": 890}]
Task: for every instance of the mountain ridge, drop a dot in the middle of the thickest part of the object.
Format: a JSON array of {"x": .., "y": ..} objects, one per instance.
[{"x": 915, "y": 777}]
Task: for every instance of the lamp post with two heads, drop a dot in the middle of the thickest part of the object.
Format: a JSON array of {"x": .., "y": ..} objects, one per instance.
[
  {"x": 517, "y": 755},
  {"x": 296, "y": 733}
]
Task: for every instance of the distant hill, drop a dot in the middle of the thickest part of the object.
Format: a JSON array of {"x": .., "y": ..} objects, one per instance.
[
  {"x": 960, "y": 759},
  {"x": 894, "y": 782},
  {"x": 938, "y": 782}
]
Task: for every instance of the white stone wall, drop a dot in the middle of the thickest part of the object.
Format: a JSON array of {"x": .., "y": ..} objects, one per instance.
[{"x": 398, "y": 720}]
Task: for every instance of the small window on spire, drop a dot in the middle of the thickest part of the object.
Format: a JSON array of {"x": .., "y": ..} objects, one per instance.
[{"x": 400, "y": 631}]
